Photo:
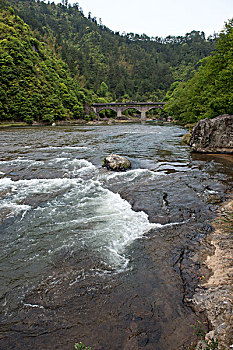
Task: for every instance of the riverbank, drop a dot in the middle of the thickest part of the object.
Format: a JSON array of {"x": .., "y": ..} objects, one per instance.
[
  {"x": 214, "y": 295},
  {"x": 102, "y": 121}
]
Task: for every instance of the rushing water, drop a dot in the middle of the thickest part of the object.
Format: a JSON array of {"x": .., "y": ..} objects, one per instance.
[{"x": 95, "y": 256}]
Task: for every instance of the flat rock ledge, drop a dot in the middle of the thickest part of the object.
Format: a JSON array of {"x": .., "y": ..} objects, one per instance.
[
  {"x": 213, "y": 135},
  {"x": 116, "y": 162},
  {"x": 214, "y": 296}
]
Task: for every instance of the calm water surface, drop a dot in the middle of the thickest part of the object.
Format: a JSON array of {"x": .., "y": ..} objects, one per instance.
[{"x": 100, "y": 257}]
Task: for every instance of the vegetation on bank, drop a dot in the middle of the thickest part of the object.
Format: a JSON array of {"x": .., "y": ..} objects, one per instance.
[
  {"x": 209, "y": 92},
  {"x": 81, "y": 346}
]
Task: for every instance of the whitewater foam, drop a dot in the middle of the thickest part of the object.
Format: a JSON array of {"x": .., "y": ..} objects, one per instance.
[
  {"x": 65, "y": 148},
  {"x": 77, "y": 212},
  {"x": 131, "y": 175}
]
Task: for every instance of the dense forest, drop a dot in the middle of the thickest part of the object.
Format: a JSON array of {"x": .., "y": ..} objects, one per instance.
[
  {"x": 34, "y": 84},
  {"x": 132, "y": 66},
  {"x": 54, "y": 62},
  {"x": 209, "y": 92}
]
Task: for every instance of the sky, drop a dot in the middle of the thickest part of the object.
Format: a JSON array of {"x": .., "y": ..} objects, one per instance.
[{"x": 160, "y": 17}]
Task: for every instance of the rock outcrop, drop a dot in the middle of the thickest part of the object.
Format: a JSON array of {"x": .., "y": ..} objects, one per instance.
[
  {"x": 213, "y": 135},
  {"x": 116, "y": 163}
]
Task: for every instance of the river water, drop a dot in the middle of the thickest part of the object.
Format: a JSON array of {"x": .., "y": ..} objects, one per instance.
[{"x": 100, "y": 257}]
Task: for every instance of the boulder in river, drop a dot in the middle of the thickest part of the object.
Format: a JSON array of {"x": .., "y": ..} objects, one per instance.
[
  {"x": 213, "y": 135},
  {"x": 116, "y": 162}
]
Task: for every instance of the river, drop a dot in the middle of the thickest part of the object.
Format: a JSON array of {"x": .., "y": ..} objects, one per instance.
[{"x": 101, "y": 257}]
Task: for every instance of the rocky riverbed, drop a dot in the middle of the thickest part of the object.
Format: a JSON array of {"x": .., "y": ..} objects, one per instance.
[
  {"x": 109, "y": 259},
  {"x": 214, "y": 295}
]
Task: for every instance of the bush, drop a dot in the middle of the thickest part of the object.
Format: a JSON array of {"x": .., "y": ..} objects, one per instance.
[{"x": 81, "y": 346}]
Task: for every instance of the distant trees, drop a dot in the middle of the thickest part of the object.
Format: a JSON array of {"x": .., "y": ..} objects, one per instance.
[{"x": 210, "y": 91}]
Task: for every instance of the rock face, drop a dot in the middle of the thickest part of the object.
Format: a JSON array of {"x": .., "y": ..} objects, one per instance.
[
  {"x": 213, "y": 135},
  {"x": 116, "y": 163}
]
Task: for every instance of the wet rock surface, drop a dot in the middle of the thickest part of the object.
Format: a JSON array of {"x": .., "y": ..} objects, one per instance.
[
  {"x": 213, "y": 135},
  {"x": 116, "y": 163}
]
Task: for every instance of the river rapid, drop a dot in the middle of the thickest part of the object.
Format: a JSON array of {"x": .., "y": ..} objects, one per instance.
[{"x": 101, "y": 257}]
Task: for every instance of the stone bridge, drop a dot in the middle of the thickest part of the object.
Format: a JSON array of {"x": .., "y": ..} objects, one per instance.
[{"x": 142, "y": 107}]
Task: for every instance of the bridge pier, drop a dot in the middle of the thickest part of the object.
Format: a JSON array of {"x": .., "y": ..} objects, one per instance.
[
  {"x": 143, "y": 115},
  {"x": 119, "y": 112}
]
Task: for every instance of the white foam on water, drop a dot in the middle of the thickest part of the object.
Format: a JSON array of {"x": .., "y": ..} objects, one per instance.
[
  {"x": 76, "y": 212},
  {"x": 74, "y": 167},
  {"x": 65, "y": 148},
  {"x": 17, "y": 160},
  {"x": 15, "y": 192},
  {"x": 21, "y": 161},
  {"x": 210, "y": 191},
  {"x": 80, "y": 166},
  {"x": 131, "y": 175},
  {"x": 141, "y": 132},
  {"x": 60, "y": 160},
  {"x": 14, "y": 209},
  {"x": 116, "y": 225},
  {"x": 79, "y": 212},
  {"x": 69, "y": 167},
  {"x": 34, "y": 306}
]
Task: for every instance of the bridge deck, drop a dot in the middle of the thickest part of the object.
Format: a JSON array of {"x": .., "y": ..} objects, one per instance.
[{"x": 128, "y": 104}]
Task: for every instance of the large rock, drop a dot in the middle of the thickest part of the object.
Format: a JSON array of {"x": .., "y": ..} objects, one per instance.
[
  {"x": 116, "y": 162},
  {"x": 213, "y": 135}
]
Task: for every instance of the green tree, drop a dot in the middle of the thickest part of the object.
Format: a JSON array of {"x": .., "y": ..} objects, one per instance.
[{"x": 103, "y": 89}]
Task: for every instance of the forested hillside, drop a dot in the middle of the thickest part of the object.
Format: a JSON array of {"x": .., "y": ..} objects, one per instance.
[
  {"x": 132, "y": 66},
  {"x": 61, "y": 61},
  {"x": 210, "y": 92},
  {"x": 34, "y": 84}
]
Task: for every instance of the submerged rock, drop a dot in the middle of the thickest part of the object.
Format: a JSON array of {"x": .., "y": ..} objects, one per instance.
[
  {"x": 213, "y": 135},
  {"x": 116, "y": 163}
]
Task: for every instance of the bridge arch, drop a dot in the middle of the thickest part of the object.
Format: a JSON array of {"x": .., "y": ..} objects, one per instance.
[
  {"x": 108, "y": 110},
  {"x": 126, "y": 108},
  {"x": 119, "y": 108}
]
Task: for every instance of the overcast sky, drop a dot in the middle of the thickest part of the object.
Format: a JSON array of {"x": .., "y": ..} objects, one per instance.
[{"x": 160, "y": 17}]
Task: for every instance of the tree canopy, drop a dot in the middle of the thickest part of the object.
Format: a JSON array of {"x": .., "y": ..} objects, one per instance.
[
  {"x": 34, "y": 84},
  {"x": 209, "y": 92}
]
